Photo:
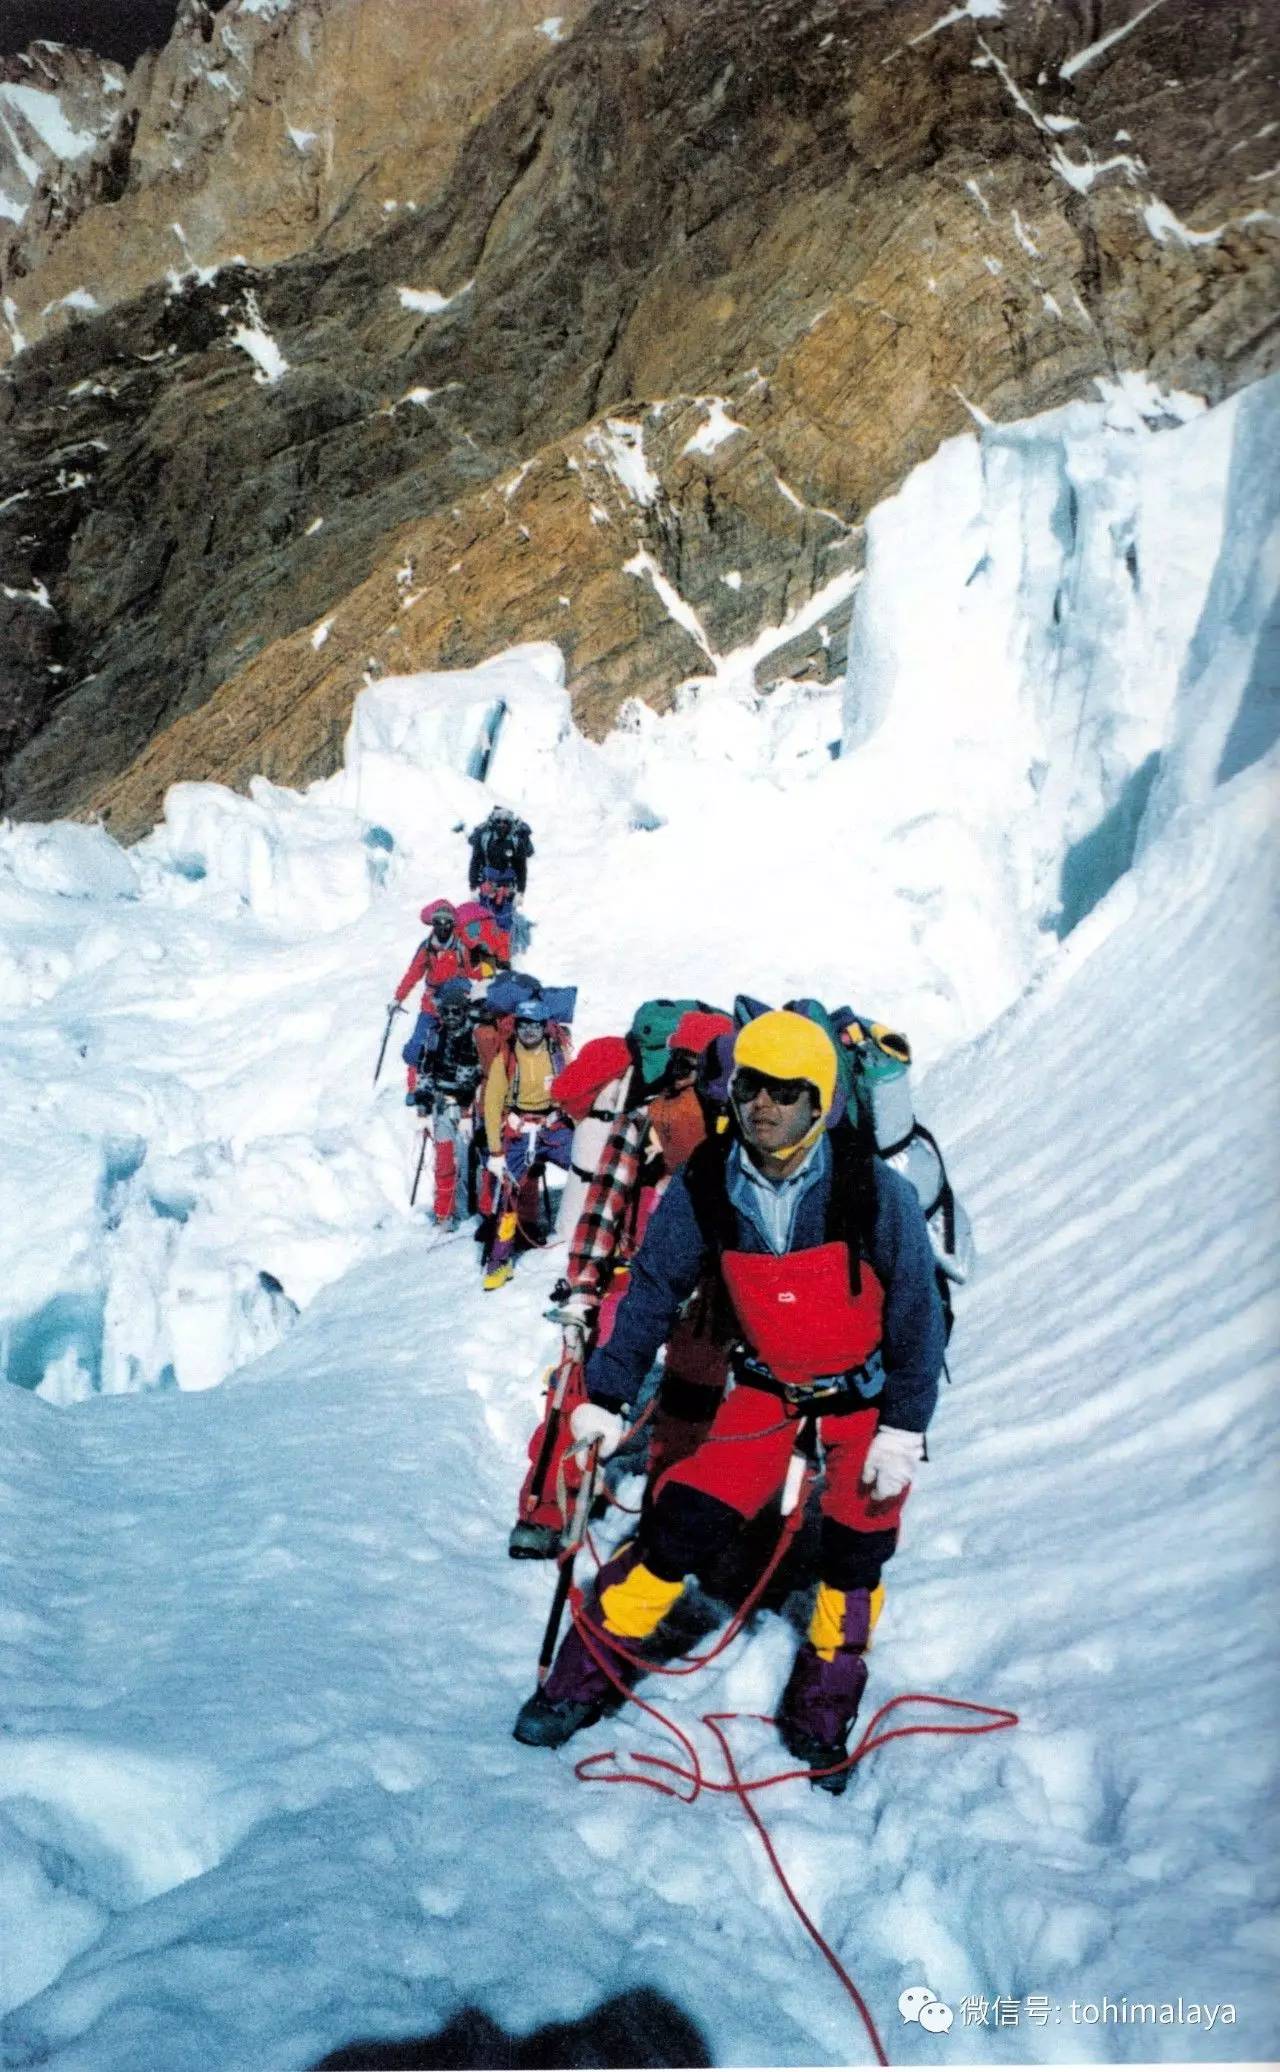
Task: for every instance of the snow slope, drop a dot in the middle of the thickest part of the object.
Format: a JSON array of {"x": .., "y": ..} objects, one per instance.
[
  {"x": 267, "y": 1644},
  {"x": 261, "y": 1642}
]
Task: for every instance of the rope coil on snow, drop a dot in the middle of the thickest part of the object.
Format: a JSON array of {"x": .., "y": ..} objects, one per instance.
[{"x": 992, "y": 1719}]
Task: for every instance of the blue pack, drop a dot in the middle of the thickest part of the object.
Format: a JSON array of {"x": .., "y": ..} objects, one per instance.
[
  {"x": 508, "y": 989},
  {"x": 422, "y": 1042},
  {"x": 561, "y": 1002}
]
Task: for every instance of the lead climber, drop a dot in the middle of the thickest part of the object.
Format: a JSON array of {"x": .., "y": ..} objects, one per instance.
[
  {"x": 823, "y": 1268},
  {"x": 500, "y": 850}
]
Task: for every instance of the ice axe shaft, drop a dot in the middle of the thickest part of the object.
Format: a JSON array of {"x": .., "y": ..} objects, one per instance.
[
  {"x": 395, "y": 1009},
  {"x": 422, "y": 1159},
  {"x": 564, "y": 1578},
  {"x": 550, "y": 1432}
]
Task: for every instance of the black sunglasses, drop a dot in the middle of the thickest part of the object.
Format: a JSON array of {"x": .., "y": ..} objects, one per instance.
[{"x": 784, "y": 1093}]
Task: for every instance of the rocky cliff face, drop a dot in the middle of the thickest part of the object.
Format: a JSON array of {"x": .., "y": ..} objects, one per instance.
[
  {"x": 265, "y": 129},
  {"x": 672, "y": 292},
  {"x": 60, "y": 111}
]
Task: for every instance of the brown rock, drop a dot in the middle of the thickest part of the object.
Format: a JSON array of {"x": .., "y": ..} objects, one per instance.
[
  {"x": 260, "y": 136},
  {"x": 855, "y": 223}
]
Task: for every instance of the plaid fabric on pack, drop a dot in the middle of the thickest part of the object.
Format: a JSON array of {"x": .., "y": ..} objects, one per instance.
[{"x": 602, "y": 1241}]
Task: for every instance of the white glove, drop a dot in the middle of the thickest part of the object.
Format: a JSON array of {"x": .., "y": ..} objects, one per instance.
[
  {"x": 891, "y": 1459},
  {"x": 593, "y": 1425},
  {"x": 497, "y": 1165}
]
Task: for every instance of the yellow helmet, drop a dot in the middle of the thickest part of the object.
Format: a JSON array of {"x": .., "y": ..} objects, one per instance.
[{"x": 790, "y": 1046}]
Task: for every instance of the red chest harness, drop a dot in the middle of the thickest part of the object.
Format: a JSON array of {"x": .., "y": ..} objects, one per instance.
[
  {"x": 800, "y": 1316},
  {"x": 810, "y": 1320}
]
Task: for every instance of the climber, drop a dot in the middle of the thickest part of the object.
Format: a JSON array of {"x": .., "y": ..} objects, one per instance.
[
  {"x": 446, "y": 1088},
  {"x": 487, "y": 942},
  {"x": 524, "y": 1131},
  {"x": 822, "y": 1264},
  {"x": 439, "y": 957},
  {"x": 500, "y": 850},
  {"x": 644, "y": 1148}
]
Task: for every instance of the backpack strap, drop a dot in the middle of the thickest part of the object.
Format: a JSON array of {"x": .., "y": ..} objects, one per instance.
[
  {"x": 945, "y": 1198},
  {"x": 704, "y": 1177},
  {"x": 851, "y": 1211}
]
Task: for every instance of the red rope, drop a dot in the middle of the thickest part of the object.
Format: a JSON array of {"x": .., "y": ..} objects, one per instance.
[
  {"x": 993, "y": 1719},
  {"x": 868, "y": 2022},
  {"x": 688, "y": 1663}
]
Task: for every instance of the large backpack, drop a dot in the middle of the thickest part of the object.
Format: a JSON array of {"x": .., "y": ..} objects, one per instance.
[
  {"x": 508, "y": 989},
  {"x": 881, "y": 1061},
  {"x": 601, "y": 1061},
  {"x": 486, "y": 942},
  {"x": 651, "y": 1025}
]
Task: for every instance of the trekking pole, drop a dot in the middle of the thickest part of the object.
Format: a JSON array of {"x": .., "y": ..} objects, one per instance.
[
  {"x": 396, "y": 1007},
  {"x": 422, "y": 1159},
  {"x": 564, "y": 1580}
]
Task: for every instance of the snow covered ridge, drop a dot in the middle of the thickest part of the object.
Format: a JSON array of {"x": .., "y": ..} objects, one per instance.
[
  {"x": 262, "y": 1646},
  {"x": 1059, "y": 643}
]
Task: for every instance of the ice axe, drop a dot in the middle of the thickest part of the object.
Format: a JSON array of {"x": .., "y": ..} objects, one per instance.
[
  {"x": 564, "y": 1579},
  {"x": 396, "y": 1007}
]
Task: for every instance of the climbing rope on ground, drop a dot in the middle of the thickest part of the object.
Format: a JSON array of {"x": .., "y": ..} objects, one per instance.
[{"x": 988, "y": 1719}]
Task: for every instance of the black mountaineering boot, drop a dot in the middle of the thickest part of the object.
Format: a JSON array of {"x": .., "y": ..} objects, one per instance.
[
  {"x": 817, "y": 1756},
  {"x": 530, "y": 1542},
  {"x": 544, "y": 1722},
  {"x": 578, "y": 1692}
]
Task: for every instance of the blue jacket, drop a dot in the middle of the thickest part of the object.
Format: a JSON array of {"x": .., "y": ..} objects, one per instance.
[{"x": 674, "y": 1256}]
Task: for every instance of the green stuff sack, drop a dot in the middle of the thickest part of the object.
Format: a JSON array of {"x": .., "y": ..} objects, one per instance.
[{"x": 651, "y": 1025}]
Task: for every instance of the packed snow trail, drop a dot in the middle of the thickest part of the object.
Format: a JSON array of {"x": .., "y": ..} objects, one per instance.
[{"x": 256, "y": 1764}]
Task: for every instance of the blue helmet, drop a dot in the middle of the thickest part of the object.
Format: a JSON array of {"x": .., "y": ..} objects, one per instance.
[{"x": 454, "y": 993}]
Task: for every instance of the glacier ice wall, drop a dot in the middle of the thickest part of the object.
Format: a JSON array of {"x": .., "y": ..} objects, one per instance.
[{"x": 1092, "y": 596}]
